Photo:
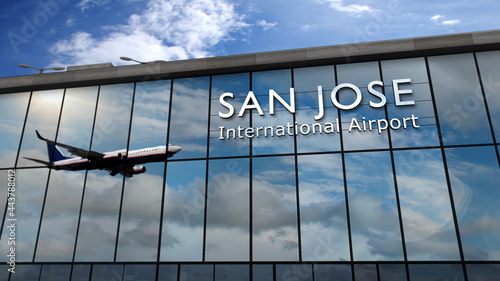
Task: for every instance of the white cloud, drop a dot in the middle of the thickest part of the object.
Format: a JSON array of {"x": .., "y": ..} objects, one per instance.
[
  {"x": 87, "y": 4},
  {"x": 167, "y": 30},
  {"x": 340, "y": 6},
  {"x": 439, "y": 20},
  {"x": 266, "y": 25}
]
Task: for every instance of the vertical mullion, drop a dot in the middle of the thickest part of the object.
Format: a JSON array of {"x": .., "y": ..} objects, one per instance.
[
  {"x": 445, "y": 165},
  {"x": 124, "y": 173},
  {"x": 395, "y": 181},
  {"x": 85, "y": 177},
  {"x": 297, "y": 197},
  {"x": 48, "y": 178},
  {"x": 206, "y": 172}
]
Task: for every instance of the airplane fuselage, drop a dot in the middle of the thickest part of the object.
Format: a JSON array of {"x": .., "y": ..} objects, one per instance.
[{"x": 118, "y": 157}]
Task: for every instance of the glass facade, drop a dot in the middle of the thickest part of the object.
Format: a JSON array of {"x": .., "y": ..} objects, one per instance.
[{"x": 378, "y": 170}]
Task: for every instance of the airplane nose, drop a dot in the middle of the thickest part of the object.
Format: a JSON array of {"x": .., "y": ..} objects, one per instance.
[{"x": 174, "y": 148}]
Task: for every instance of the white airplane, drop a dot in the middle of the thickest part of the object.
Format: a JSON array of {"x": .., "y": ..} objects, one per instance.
[{"x": 115, "y": 162}]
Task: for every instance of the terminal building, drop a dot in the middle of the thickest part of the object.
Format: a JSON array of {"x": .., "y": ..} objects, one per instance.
[{"x": 358, "y": 162}]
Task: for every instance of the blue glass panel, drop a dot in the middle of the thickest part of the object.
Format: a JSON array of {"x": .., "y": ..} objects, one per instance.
[
  {"x": 184, "y": 211},
  {"x": 167, "y": 272},
  {"x": 189, "y": 117},
  {"x": 13, "y": 108},
  {"x": 140, "y": 272},
  {"x": 490, "y": 77},
  {"x": 106, "y": 272},
  {"x": 60, "y": 272},
  {"x": 64, "y": 195},
  {"x": 294, "y": 272},
  {"x": 201, "y": 272},
  {"x": 425, "y": 206},
  {"x": 275, "y": 235},
  {"x": 81, "y": 272},
  {"x": 392, "y": 272},
  {"x": 262, "y": 272},
  {"x": 323, "y": 219},
  {"x": 459, "y": 101},
  {"x": 280, "y": 82},
  {"x": 480, "y": 272},
  {"x": 475, "y": 179},
  {"x": 26, "y": 272},
  {"x": 238, "y": 85},
  {"x": 373, "y": 212},
  {"x": 233, "y": 272},
  {"x": 425, "y": 272},
  {"x": 365, "y": 272},
  {"x": 228, "y": 211},
  {"x": 337, "y": 272}
]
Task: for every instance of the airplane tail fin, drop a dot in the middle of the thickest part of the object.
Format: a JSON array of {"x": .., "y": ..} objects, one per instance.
[{"x": 54, "y": 152}]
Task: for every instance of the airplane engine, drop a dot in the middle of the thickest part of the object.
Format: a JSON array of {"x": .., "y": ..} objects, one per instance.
[{"x": 139, "y": 170}]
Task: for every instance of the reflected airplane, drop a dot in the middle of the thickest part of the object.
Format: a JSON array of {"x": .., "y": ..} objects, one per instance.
[{"x": 115, "y": 162}]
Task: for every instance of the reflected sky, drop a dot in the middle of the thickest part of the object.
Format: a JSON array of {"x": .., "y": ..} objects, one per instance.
[
  {"x": 425, "y": 206},
  {"x": 476, "y": 199},
  {"x": 323, "y": 218},
  {"x": 12, "y": 108},
  {"x": 275, "y": 235},
  {"x": 228, "y": 211},
  {"x": 43, "y": 116},
  {"x": 183, "y": 217},
  {"x": 459, "y": 100},
  {"x": 490, "y": 77},
  {"x": 372, "y": 207}
]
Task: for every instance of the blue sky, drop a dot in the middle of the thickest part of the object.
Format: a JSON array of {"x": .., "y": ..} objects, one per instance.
[{"x": 47, "y": 33}]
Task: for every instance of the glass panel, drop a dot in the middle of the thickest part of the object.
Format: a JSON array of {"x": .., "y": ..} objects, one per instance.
[
  {"x": 475, "y": 179},
  {"x": 426, "y": 134},
  {"x": 43, "y": 116},
  {"x": 357, "y": 130},
  {"x": 233, "y": 272},
  {"x": 323, "y": 217},
  {"x": 294, "y": 272},
  {"x": 81, "y": 272},
  {"x": 101, "y": 204},
  {"x": 392, "y": 272},
  {"x": 201, "y": 272},
  {"x": 459, "y": 100},
  {"x": 365, "y": 272},
  {"x": 373, "y": 209},
  {"x": 308, "y": 103},
  {"x": 336, "y": 272},
  {"x": 228, "y": 211},
  {"x": 4, "y": 273},
  {"x": 29, "y": 200},
  {"x": 141, "y": 209},
  {"x": 275, "y": 235},
  {"x": 425, "y": 272},
  {"x": 184, "y": 211},
  {"x": 167, "y": 272},
  {"x": 262, "y": 272},
  {"x": 425, "y": 206},
  {"x": 106, "y": 272},
  {"x": 13, "y": 108},
  {"x": 490, "y": 76},
  {"x": 189, "y": 117},
  {"x": 64, "y": 194},
  {"x": 140, "y": 272},
  {"x": 280, "y": 81},
  {"x": 26, "y": 272},
  {"x": 238, "y": 85},
  {"x": 480, "y": 272},
  {"x": 55, "y": 272}
]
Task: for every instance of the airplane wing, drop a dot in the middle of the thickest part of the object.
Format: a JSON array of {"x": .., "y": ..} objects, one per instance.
[
  {"x": 91, "y": 155},
  {"x": 39, "y": 161}
]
